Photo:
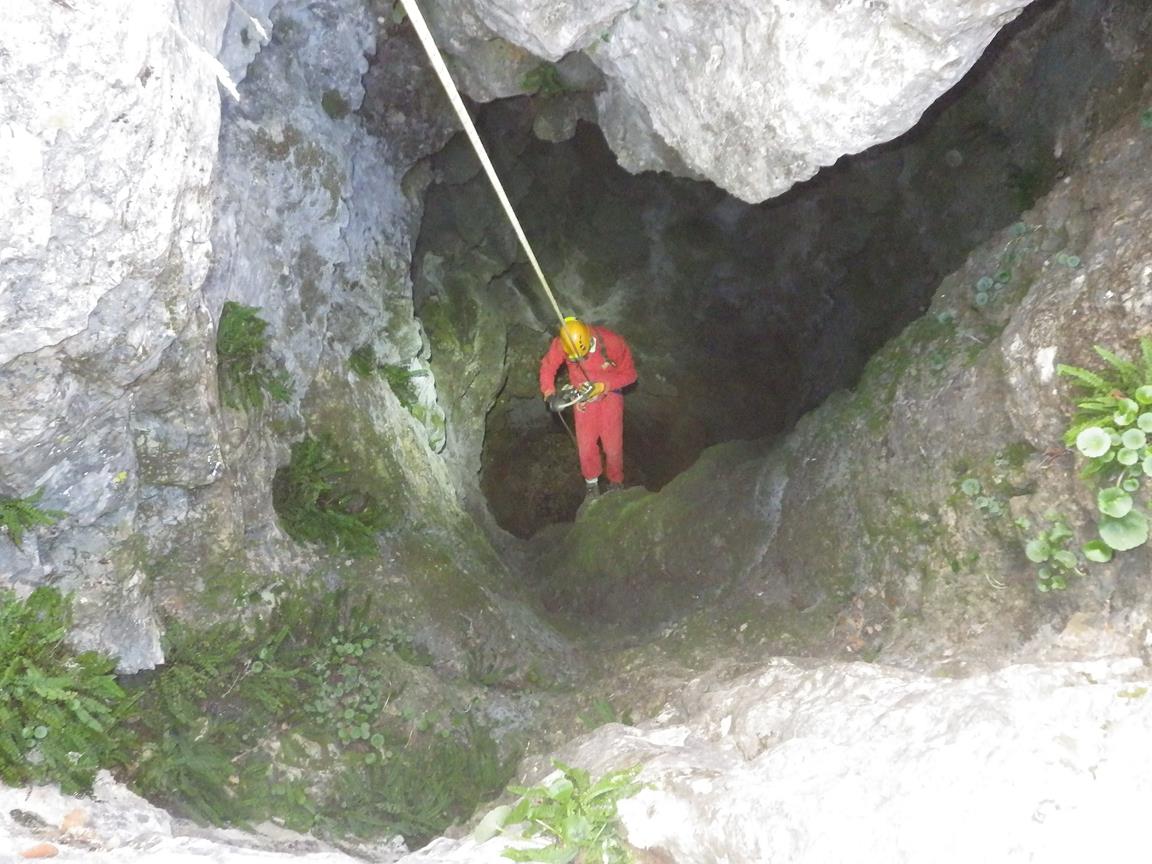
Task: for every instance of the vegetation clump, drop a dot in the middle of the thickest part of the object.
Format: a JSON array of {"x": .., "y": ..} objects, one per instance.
[
  {"x": 318, "y": 501},
  {"x": 297, "y": 716},
  {"x": 1111, "y": 429},
  {"x": 401, "y": 379},
  {"x": 58, "y": 708},
  {"x": 544, "y": 80},
  {"x": 245, "y": 371},
  {"x": 577, "y": 815},
  {"x": 18, "y": 515}
]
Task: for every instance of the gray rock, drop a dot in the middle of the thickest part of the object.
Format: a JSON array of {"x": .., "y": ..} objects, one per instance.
[{"x": 761, "y": 95}]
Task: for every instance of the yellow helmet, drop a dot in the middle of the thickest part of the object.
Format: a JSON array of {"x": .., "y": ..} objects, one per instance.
[{"x": 576, "y": 337}]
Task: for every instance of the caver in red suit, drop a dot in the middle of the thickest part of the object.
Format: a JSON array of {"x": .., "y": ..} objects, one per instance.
[{"x": 600, "y": 356}]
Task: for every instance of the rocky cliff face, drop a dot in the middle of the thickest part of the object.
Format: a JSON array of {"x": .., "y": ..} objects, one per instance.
[
  {"x": 892, "y": 522},
  {"x": 111, "y": 117},
  {"x": 749, "y": 95},
  {"x": 151, "y": 186}
]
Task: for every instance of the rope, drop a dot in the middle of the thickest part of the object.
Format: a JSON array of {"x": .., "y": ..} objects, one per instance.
[{"x": 437, "y": 61}]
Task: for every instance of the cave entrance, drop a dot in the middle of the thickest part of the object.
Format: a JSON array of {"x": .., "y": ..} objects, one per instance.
[
  {"x": 531, "y": 473},
  {"x": 741, "y": 317}
]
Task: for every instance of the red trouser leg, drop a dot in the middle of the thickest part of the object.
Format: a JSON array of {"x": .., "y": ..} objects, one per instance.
[
  {"x": 612, "y": 435},
  {"x": 587, "y": 435},
  {"x": 601, "y": 422}
]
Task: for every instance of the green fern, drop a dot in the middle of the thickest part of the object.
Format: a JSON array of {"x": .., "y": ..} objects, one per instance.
[
  {"x": 18, "y": 515},
  {"x": 1085, "y": 377},
  {"x": 58, "y": 708},
  {"x": 1131, "y": 375},
  {"x": 244, "y": 370},
  {"x": 1106, "y": 390},
  {"x": 318, "y": 502}
]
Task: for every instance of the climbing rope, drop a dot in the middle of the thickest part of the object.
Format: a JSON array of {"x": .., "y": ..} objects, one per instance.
[{"x": 437, "y": 61}]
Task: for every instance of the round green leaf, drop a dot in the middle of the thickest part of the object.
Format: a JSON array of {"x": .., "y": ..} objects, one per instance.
[
  {"x": 492, "y": 823},
  {"x": 981, "y": 298},
  {"x": 1072, "y": 261},
  {"x": 1059, "y": 583},
  {"x": 1134, "y": 439},
  {"x": 1019, "y": 229},
  {"x": 1065, "y": 559},
  {"x": 1038, "y": 550},
  {"x": 1041, "y": 585},
  {"x": 1147, "y": 466},
  {"x": 1130, "y": 484},
  {"x": 1126, "y": 533},
  {"x": 1003, "y": 277},
  {"x": 1097, "y": 551},
  {"x": 1144, "y": 394},
  {"x": 1144, "y": 421},
  {"x": 1127, "y": 457},
  {"x": 1093, "y": 442},
  {"x": 984, "y": 283},
  {"x": 1114, "y": 502},
  {"x": 40, "y": 732},
  {"x": 1124, "y": 418},
  {"x": 970, "y": 486}
]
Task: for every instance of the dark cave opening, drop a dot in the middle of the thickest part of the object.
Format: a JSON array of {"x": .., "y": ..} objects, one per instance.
[{"x": 743, "y": 317}]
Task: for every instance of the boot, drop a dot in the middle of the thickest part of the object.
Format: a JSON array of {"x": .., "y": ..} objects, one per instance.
[
  {"x": 614, "y": 487},
  {"x": 591, "y": 489}
]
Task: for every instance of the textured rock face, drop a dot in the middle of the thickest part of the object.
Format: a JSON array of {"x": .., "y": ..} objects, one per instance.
[
  {"x": 115, "y": 825},
  {"x": 742, "y": 317},
  {"x": 110, "y": 117},
  {"x": 160, "y": 212},
  {"x": 893, "y": 520},
  {"x": 865, "y": 763},
  {"x": 753, "y": 96}
]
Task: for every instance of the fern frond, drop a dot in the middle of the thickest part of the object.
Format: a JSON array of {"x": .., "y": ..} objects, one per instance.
[
  {"x": 1084, "y": 377},
  {"x": 1130, "y": 374}
]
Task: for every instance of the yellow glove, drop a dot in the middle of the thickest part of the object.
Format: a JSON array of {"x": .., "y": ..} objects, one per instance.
[{"x": 597, "y": 390}]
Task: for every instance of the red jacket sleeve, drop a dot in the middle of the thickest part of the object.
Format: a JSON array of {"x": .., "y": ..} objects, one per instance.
[
  {"x": 623, "y": 372},
  {"x": 549, "y": 365}
]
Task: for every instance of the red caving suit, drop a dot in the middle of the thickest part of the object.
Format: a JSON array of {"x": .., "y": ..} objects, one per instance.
[{"x": 602, "y": 420}]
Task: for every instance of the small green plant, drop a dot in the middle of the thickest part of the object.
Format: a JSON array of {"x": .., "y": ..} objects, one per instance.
[
  {"x": 990, "y": 506},
  {"x": 363, "y": 361},
  {"x": 987, "y": 288},
  {"x": 334, "y": 104},
  {"x": 244, "y": 369},
  {"x": 602, "y": 711},
  {"x": 579, "y": 816},
  {"x": 1111, "y": 429},
  {"x": 1050, "y": 550},
  {"x": 58, "y": 708},
  {"x": 18, "y": 515},
  {"x": 318, "y": 501},
  {"x": 1146, "y": 119},
  {"x": 401, "y": 378},
  {"x": 544, "y": 80}
]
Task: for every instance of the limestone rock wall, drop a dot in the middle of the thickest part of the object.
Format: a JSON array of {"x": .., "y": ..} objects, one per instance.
[
  {"x": 892, "y": 522},
  {"x": 110, "y": 117},
  {"x": 753, "y": 96},
  {"x": 859, "y": 762},
  {"x": 149, "y": 185}
]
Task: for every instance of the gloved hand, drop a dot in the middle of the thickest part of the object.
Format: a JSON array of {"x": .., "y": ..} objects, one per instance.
[
  {"x": 596, "y": 390},
  {"x": 552, "y": 401}
]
